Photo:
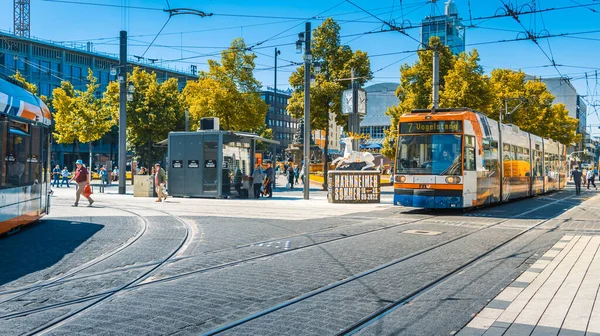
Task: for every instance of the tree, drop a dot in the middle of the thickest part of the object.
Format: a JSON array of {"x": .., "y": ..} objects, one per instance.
[
  {"x": 229, "y": 91},
  {"x": 537, "y": 113},
  {"x": 466, "y": 85},
  {"x": 415, "y": 89},
  {"x": 79, "y": 117},
  {"x": 156, "y": 110},
  {"x": 337, "y": 62}
]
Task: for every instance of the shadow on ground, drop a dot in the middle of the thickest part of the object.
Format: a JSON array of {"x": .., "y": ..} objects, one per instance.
[{"x": 40, "y": 246}]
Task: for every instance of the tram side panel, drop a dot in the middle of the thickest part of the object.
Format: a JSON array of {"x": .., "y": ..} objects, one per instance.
[
  {"x": 488, "y": 175},
  {"x": 515, "y": 162}
]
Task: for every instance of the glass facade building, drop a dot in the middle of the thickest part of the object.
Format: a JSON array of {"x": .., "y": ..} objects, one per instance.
[
  {"x": 447, "y": 27},
  {"x": 46, "y": 64},
  {"x": 278, "y": 119}
]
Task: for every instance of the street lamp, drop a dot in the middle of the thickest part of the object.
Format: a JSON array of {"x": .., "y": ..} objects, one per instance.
[{"x": 305, "y": 37}]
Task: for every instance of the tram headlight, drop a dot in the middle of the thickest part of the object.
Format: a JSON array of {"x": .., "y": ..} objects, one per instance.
[
  {"x": 453, "y": 179},
  {"x": 400, "y": 178}
]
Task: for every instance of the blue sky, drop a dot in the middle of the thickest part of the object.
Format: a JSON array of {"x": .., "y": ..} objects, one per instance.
[{"x": 191, "y": 36}]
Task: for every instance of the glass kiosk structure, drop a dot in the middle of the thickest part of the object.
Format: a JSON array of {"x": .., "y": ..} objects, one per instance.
[{"x": 210, "y": 163}]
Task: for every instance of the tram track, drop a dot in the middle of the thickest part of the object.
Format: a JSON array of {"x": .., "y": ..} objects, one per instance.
[
  {"x": 99, "y": 298},
  {"x": 350, "y": 330},
  {"x": 61, "y": 278},
  {"x": 72, "y": 275},
  {"x": 210, "y": 268}
]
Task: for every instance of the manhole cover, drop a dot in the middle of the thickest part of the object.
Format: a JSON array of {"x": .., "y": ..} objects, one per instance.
[{"x": 423, "y": 232}]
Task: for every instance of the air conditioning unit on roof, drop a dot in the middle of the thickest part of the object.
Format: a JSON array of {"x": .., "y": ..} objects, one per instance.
[{"x": 209, "y": 124}]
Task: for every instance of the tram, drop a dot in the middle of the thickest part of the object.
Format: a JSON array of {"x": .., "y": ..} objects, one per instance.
[
  {"x": 25, "y": 126},
  {"x": 459, "y": 158}
]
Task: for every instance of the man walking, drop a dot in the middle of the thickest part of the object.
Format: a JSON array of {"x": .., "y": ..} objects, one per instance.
[
  {"x": 269, "y": 179},
  {"x": 82, "y": 178},
  {"x": 590, "y": 176},
  {"x": 576, "y": 177},
  {"x": 257, "y": 179},
  {"x": 56, "y": 176},
  {"x": 160, "y": 178}
]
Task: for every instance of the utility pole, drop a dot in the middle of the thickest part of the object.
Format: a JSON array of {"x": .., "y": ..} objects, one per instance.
[
  {"x": 307, "y": 61},
  {"x": 354, "y": 119},
  {"x": 277, "y": 52},
  {"x": 436, "y": 79},
  {"x": 122, "y": 112},
  {"x": 187, "y": 120}
]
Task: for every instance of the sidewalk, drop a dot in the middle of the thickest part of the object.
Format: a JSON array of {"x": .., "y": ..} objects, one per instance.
[{"x": 557, "y": 295}]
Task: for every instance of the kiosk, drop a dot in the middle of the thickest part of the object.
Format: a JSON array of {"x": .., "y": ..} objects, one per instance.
[{"x": 211, "y": 163}]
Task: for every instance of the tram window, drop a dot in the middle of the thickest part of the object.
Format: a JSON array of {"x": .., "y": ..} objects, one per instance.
[
  {"x": 469, "y": 158},
  {"x": 17, "y": 150}
]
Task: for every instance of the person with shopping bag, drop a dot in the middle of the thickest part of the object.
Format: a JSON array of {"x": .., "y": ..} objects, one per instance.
[{"x": 82, "y": 178}]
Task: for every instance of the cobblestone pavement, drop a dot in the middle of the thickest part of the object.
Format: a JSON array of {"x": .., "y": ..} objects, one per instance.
[{"x": 267, "y": 267}]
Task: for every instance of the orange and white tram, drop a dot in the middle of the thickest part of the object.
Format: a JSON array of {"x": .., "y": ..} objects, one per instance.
[
  {"x": 25, "y": 152},
  {"x": 459, "y": 158}
]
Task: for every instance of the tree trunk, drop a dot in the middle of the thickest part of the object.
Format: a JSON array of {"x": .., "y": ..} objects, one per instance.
[
  {"x": 78, "y": 149},
  {"x": 326, "y": 156}
]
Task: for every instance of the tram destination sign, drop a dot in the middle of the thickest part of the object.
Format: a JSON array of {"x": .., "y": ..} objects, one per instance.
[
  {"x": 442, "y": 126},
  {"x": 354, "y": 187}
]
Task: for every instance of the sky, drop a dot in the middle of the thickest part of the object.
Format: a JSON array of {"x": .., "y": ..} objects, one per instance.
[{"x": 268, "y": 24}]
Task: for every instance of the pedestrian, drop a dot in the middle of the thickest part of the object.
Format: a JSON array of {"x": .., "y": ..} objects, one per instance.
[
  {"x": 269, "y": 179},
  {"x": 290, "y": 176},
  {"x": 257, "y": 179},
  {"x": 160, "y": 179},
  {"x": 296, "y": 174},
  {"x": 65, "y": 177},
  {"x": 576, "y": 177},
  {"x": 590, "y": 176},
  {"x": 82, "y": 178},
  {"x": 115, "y": 174},
  {"x": 56, "y": 176},
  {"x": 103, "y": 176}
]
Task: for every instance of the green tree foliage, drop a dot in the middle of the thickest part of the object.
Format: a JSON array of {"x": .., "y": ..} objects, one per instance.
[
  {"x": 156, "y": 110},
  {"x": 78, "y": 115},
  {"x": 337, "y": 62},
  {"x": 229, "y": 91},
  {"x": 416, "y": 89},
  {"x": 463, "y": 84}
]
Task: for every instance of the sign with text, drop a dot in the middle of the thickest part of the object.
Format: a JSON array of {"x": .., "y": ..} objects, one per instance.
[
  {"x": 354, "y": 187},
  {"x": 442, "y": 126},
  {"x": 193, "y": 164},
  {"x": 177, "y": 163},
  {"x": 210, "y": 164}
]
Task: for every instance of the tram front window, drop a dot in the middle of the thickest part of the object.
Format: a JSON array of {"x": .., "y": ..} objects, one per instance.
[{"x": 436, "y": 154}]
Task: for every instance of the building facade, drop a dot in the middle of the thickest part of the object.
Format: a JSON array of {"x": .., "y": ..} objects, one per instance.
[
  {"x": 46, "y": 64},
  {"x": 278, "y": 119},
  {"x": 376, "y": 122},
  {"x": 335, "y": 135},
  {"x": 566, "y": 93},
  {"x": 447, "y": 27}
]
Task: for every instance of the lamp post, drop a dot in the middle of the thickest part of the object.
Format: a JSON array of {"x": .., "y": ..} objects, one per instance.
[
  {"x": 122, "y": 112},
  {"x": 277, "y": 52},
  {"x": 305, "y": 37}
]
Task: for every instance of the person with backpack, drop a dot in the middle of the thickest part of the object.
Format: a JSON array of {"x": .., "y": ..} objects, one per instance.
[{"x": 82, "y": 178}]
